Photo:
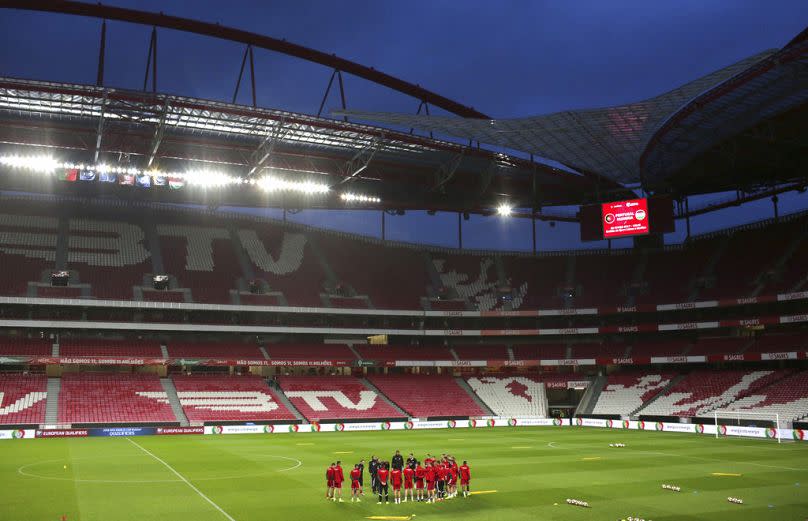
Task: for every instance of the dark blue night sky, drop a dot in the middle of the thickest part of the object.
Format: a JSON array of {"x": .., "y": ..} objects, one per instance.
[{"x": 505, "y": 58}]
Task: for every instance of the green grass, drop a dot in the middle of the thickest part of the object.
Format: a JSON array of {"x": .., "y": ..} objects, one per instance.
[{"x": 532, "y": 469}]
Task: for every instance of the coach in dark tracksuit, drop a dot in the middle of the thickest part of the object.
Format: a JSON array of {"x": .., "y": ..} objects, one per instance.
[
  {"x": 373, "y": 469},
  {"x": 411, "y": 461},
  {"x": 398, "y": 461}
]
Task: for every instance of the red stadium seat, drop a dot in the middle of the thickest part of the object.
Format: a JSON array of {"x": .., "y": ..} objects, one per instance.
[
  {"x": 113, "y": 398},
  {"x": 209, "y": 398},
  {"x": 424, "y": 396},
  {"x": 334, "y": 398},
  {"x": 22, "y": 399}
]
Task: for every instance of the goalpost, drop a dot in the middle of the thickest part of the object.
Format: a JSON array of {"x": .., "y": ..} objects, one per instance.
[{"x": 734, "y": 417}]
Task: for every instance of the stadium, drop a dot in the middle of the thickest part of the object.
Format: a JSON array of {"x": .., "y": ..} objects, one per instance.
[{"x": 186, "y": 334}]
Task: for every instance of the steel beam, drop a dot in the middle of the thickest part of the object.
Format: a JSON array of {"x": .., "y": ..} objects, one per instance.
[
  {"x": 256, "y": 40},
  {"x": 157, "y": 138},
  {"x": 267, "y": 146},
  {"x": 99, "y": 133},
  {"x": 360, "y": 161},
  {"x": 447, "y": 170}
]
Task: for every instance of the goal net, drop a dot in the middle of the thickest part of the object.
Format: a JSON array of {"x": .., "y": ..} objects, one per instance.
[{"x": 745, "y": 418}]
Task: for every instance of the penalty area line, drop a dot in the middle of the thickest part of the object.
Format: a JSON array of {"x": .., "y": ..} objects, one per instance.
[
  {"x": 169, "y": 467},
  {"x": 482, "y": 492},
  {"x": 392, "y": 518}
]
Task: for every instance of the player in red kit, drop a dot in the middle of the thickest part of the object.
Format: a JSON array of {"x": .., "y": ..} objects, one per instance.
[
  {"x": 453, "y": 470},
  {"x": 430, "y": 477},
  {"x": 382, "y": 475},
  {"x": 441, "y": 472},
  {"x": 356, "y": 487},
  {"x": 396, "y": 479},
  {"x": 465, "y": 477},
  {"x": 409, "y": 474},
  {"x": 329, "y": 481},
  {"x": 420, "y": 472},
  {"x": 339, "y": 477}
]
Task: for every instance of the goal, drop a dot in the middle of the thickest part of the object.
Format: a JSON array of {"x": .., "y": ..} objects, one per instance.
[{"x": 738, "y": 417}]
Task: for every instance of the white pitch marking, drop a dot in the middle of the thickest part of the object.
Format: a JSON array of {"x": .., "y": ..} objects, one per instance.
[
  {"x": 22, "y": 471},
  {"x": 169, "y": 467},
  {"x": 552, "y": 445}
]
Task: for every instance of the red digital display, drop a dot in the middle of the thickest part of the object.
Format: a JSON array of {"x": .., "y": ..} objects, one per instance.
[{"x": 624, "y": 218}]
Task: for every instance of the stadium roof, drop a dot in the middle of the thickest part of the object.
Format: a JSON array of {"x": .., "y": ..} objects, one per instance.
[
  {"x": 750, "y": 129},
  {"x": 97, "y": 124},
  {"x": 607, "y": 141}
]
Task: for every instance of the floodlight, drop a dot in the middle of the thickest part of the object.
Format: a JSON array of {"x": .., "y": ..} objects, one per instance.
[{"x": 504, "y": 209}]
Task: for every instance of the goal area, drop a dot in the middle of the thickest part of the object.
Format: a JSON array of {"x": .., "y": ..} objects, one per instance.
[{"x": 744, "y": 418}]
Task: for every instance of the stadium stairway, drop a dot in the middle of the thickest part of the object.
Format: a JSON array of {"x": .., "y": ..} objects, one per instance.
[
  {"x": 383, "y": 396},
  {"x": 591, "y": 395},
  {"x": 173, "y": 401},
  {"x": 52, "y": 403},
  {"x": 662, "y": 392},
  {"x": 285, "y": 400},
  {"x": 355, "y": 352},
  {"x": 164, "y": 350},
  {"x": 465, "y": 385},
  {"x": 264, "y": 353},
  {"x": 510, "y": 353}
]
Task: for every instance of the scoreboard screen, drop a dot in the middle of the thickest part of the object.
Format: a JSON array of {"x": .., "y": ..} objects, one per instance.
[{"x": 625, "y": 218}]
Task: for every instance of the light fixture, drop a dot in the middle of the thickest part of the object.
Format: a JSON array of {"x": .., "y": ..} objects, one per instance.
[
  {"x": 359, "y": 198},
  {"x": 37, "y": 163},
  {"x": 275, "y": 184},
  {"x": 207, "y": 178},
  {"x": 504, "y": 209}
]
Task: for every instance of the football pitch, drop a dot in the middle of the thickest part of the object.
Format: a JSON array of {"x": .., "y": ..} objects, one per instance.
[{"x": 519, "y": 473}]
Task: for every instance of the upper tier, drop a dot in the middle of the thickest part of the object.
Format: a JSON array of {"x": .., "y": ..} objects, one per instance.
[{"x": 112, "y": 253}]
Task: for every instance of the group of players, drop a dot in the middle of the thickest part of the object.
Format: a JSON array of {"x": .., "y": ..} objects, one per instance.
[{"x": 434, "y": 479}]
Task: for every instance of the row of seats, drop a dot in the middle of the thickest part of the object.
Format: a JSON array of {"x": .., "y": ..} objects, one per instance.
[
  {"x": 335, "y": 397},
  {"x": 151, "y": 348},
  {"x": 212, "y": 256},
  {"x": 703, "y": 392},
  {"x": 423, "y": 396},
  {"x": 238, "y": 398},
  {"x": 141, "y": 398},
  {"x": 112, "y": 398},
  {"x": 22, "y": 399},
  {"x": 626, "y": 392},
  {"x": 511, "y": 396}
]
